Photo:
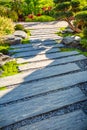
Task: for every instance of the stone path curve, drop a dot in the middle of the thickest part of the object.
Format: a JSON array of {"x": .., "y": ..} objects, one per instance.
[{"x": 50, "y": 92}]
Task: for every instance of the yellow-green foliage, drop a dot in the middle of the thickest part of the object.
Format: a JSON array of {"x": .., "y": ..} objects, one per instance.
[{"x": 6, "y": 26}]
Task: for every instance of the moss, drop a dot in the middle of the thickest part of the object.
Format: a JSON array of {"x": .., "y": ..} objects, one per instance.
[{"x": 10, "y": 68}]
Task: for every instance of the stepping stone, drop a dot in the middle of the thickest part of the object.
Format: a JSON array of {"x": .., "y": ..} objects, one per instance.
[
  {"x": 47, "y": 42},
  {"x": 43, "y": 38},
  {"x": 22, "y": 110},
  {"x": 37, "y": 52},
  {"x": 34, "y": 48},
  {"x": 38, "y": 74},
  {"x": 76, "y": 120},
  {"x": 45, "y": 62},
  {"x": 46, "y": 57},
  {"x": 43, "y": 86}
]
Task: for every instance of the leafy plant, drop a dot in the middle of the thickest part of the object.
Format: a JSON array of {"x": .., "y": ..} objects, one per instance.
[
  {"x": 19, "y": 27},
  {"x": 6, "y": 26},
  {"x": 10, "y": 68},
  {"x": 4, "y": 48},
  {"x": 84, "y": 43}
]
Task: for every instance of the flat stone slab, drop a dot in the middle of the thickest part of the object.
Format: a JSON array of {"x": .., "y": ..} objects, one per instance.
[
  {"x": 35, "y": 47},
  {"x": 46, "y": 57},
  {"x": 42, "y": 86},
  {"x": 52, "y": 62},
  {"x": 47, "y": 42},
  {"x": 39, "y": 105},
  {"x": 76, "y": 120},
  {"x": 37, "y": 52},
  {"x": 38, "y": 74},
  {"x": 44, "y": 38}
]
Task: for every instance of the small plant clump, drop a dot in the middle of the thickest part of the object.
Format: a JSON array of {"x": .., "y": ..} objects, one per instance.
[
  {"x": 4, "y": 48},
  {"x": 8, "y": 69}
]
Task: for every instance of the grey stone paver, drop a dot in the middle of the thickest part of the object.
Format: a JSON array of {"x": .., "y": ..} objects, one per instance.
[
  {"x": 37, "y": 52},
  {"x": 43, "y": 86},
  {"x": 44, "y": 38},
  {"x": 76, "y": 120},
  {"x": 35, "y": 47},
  {"x": 38, "y": 74},
  {"x": 39, "y": 105},
  {"x": 51, "y": 62},
  {"x": 46, "y": 56}
]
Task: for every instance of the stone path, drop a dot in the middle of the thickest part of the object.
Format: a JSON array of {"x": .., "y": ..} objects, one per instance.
[{"x": 50, "y": 92}]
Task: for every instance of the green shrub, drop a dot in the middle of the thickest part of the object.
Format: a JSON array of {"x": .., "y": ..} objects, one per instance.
[
  {"x": 84, "y": 8},
  {"x": 6, "y": 26},
  {"x": 3, "y": 11},
  {"x": 13, "y": 15},
  {"x": 85, "y": 32},
  {"x": 84, "y": 43},
  {"x": 10, "y": 68},
  {"x": 19, "y": 27},
  {"x": 4, "y": 48},
  {"x": 82, "y": 15}
]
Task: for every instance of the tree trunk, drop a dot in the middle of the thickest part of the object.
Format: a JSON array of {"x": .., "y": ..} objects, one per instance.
[{"x": 75, "y": 29}]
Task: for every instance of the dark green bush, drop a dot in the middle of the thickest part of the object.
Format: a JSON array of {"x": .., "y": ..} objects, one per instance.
[
  {"x": 85, "y": 32},
  {"x": 4, "y": 48},
  {"x": 63, "y": 6},
  {"x": 81, "y": 16},
  {"x": 75, "y": 3},
  {"x": 84, "y": 8},
  {"x": 84, "y": 43}
]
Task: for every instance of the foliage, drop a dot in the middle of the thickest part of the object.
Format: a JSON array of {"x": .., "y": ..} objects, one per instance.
[
  {"x": 84, "y": 42},
  {"x": 13, "y": 15},
  {"x": 10, "y": 68},
  {"x": 43, "y": 18},
  {"x": 24, "y": 41},
  {"x": 3, "y": 88},
  {"x": 6, "y": 26},
  {"x": 84, "y": 8},
  {"x": 19, "y": 27},
  {"x": 85, "y": 32},
  {"x": 4, "y": 48},
  {"x": 81, "y": 16}
]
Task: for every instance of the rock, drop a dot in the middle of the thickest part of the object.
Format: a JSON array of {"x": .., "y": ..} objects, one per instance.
[
  {"x": 71, "y": 40},
  {"x": 11, "y": 39},
  {"x": 4, "y": 59},
  {"x": 21, "y": 34},
  {"x": 68, "y": 30},
  {"x": 77, "y": 38},
  {"x": 67, "y": 40}
]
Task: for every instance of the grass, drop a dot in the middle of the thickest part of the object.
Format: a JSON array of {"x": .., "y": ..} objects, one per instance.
[{"x": 8, "y": 69}]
